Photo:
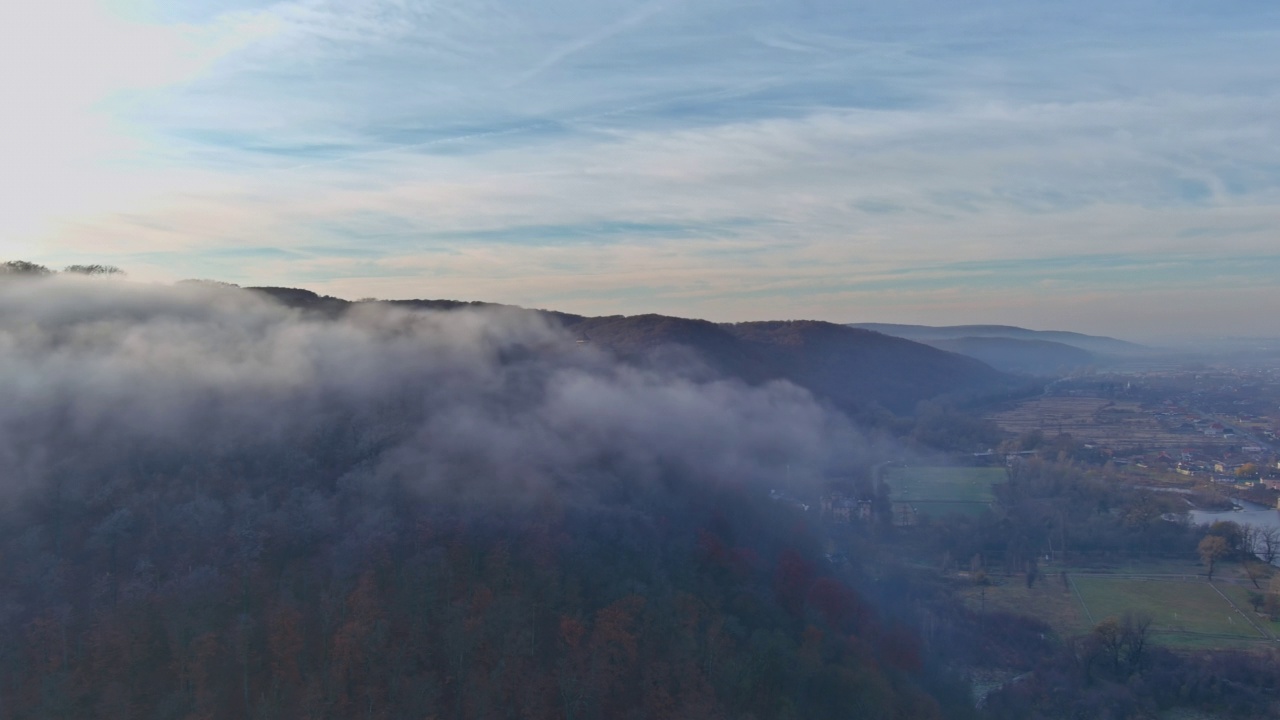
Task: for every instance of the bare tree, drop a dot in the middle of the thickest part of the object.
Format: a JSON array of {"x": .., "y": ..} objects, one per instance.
[
  {"x": 1212, "y": 549},
  {"x": 1118, "y": 645},
  {"x": 24, "y": 268},
  {"x": 1248, "y": 540},
  {"x": 96, "y": 270},
  {"x": 1135, "y": 629},
  {"x": 1267, "y": 544},
  {"x": 1254, "y": 570}
]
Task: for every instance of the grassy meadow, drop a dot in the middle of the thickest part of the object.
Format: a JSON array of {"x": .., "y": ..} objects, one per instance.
[
  {"x": 938, "y": 490},
  {"x": 1176, "y": 607}
]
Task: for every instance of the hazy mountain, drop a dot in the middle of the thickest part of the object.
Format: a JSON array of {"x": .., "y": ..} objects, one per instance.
[
  {"x": 246, "y": 504},
  {"x": 1034, "y": 357},
  {"x": 1097, "y": 344},
  {"x": 850, "y": 367}
]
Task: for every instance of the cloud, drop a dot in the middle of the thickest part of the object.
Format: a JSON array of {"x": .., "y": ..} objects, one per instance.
[
  {"x": 102, "y": 375},
  {"x": 452, "y": 139},
  {"x": 630, "y": 20}
]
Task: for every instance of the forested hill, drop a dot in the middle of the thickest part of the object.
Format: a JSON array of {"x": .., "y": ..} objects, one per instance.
[
  {"x": 852, "y": 368},
  {"x": 215, "y": 507},
  {"x": 1097, "y": 344},
  {"x": 1034, "y": 357}
]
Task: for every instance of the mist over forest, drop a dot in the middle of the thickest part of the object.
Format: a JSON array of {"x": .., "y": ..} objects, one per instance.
[
  {"x": 100, "y": 376},
  {"x": 223, "y": 502},
  {"x": 639, "y": 360},
  {"x": 219, "y": 506}
]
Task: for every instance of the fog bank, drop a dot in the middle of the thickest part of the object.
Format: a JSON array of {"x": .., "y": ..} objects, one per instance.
[{"x": 119, "y": 381}]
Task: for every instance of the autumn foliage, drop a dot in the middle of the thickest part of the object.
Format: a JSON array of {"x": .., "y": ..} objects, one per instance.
[{"x": 312, "y": 603}]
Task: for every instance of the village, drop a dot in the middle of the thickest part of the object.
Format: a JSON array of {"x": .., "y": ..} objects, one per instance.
[{"x": 1182, "y": 428}]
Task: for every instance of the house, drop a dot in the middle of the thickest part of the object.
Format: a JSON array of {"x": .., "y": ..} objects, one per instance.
[
  {"x": 837, "y": 507},
  {"x": 840, "y": 508}
]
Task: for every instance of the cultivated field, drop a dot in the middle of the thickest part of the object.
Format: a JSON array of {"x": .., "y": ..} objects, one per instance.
[
  {"x": 1116, "y": 425},
  {"x": 1181, "y": 610},
  {"x": 941, "y": 490}
]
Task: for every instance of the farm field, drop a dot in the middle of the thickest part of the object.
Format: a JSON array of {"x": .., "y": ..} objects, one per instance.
[
  {"x": 941, "y": 490},
  {"x": 1117, "y": 425},
  {"x": 1181, "y": 611}
]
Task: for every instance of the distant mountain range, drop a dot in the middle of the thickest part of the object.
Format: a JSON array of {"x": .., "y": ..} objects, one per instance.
[
  {"x": 849, "y": 367},
  {"x": 921, "y": 333},
  {"x": 1016, "y": 349},
  {"x": 1033, "y": 357}
]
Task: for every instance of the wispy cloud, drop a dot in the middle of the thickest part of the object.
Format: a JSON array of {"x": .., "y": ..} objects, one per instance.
[
  {"x": 703, "y": 158},
  {"x": 630, "y": 20}
]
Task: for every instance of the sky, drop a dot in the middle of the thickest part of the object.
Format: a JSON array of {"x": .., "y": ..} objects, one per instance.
[{"x": 1108, "y": 167}]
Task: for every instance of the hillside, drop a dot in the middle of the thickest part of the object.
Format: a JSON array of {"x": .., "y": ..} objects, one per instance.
[
  {"x": 1034, "y": 357},
  {"x": 1097, "y": 344},
  {"x": 221, "y": 507},
  {"x": 851, "y": 368}
]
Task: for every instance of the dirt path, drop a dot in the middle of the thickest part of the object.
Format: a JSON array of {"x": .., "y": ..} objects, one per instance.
[{"x": 1242, "y": 613}]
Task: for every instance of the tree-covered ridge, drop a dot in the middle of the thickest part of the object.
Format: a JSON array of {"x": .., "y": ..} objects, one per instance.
[
  {"x": 23, "y": 268},
  {"x": 188, "y": 602},
  {"x": 216, "y": 506},
  {"x": 219, "y": 502}
]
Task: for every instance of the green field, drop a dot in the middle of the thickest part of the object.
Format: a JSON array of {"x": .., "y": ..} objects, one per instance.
[
  {"x": 1187, "y": 611},
  {"x": 1178, "y": 609},
  {"x": 1239, "y": 595},
  {"x": 939, "y": 490}
]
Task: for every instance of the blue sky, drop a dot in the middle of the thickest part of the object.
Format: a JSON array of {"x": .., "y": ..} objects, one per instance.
[{"x": 1098, "y": 166}]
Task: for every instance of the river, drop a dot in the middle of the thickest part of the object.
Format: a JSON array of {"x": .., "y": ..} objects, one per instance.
[{"x": 1248, "y": 514}]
